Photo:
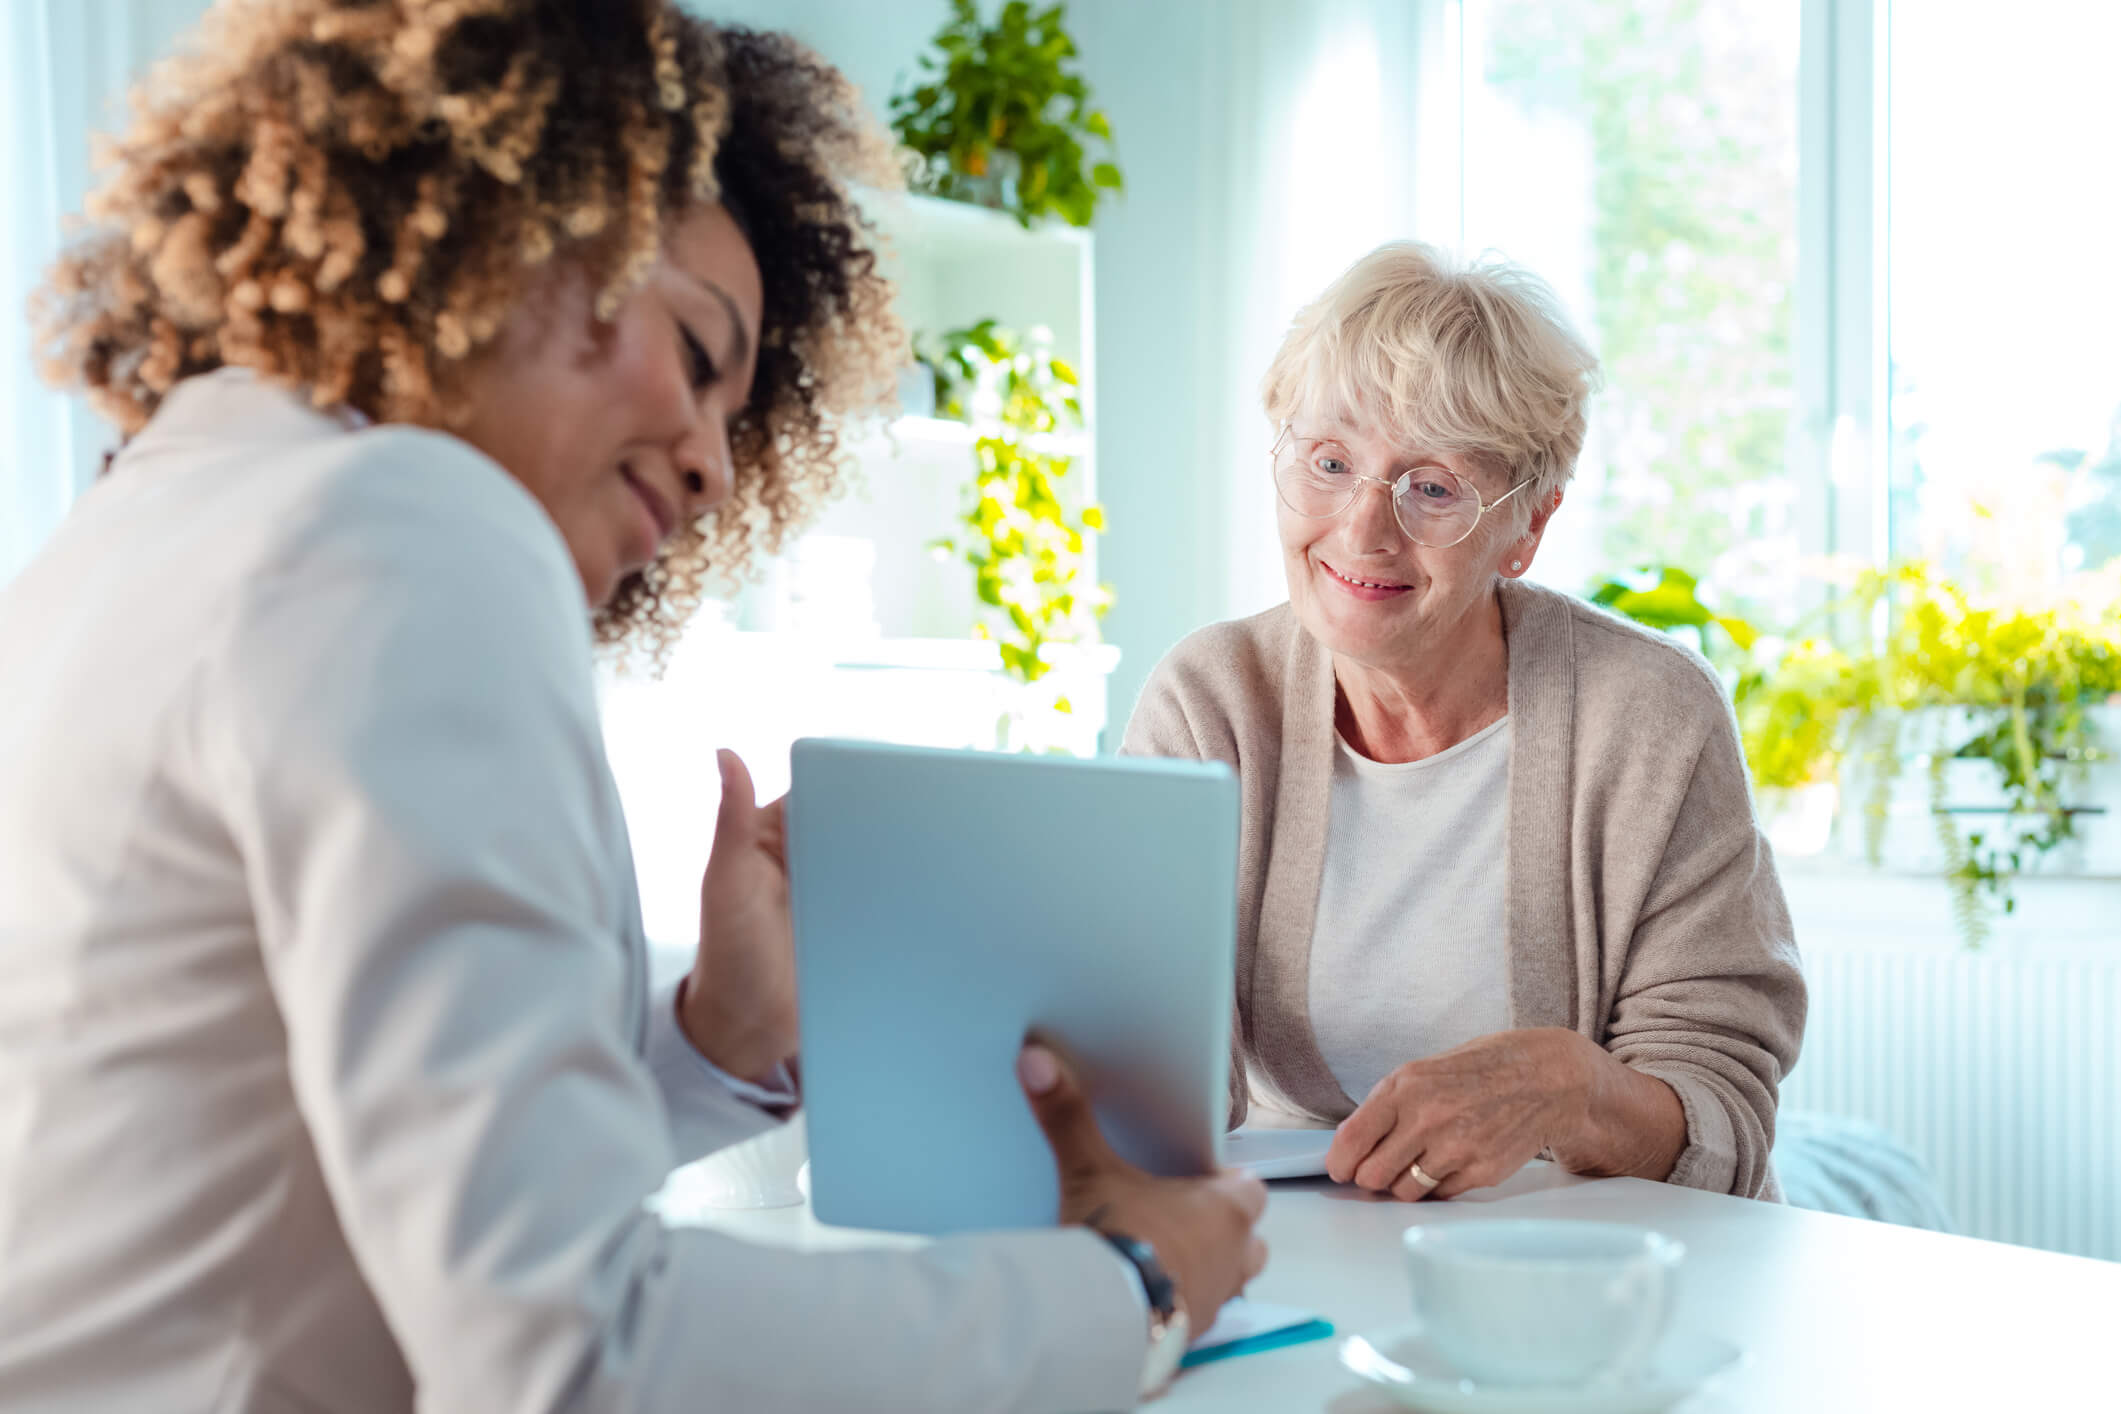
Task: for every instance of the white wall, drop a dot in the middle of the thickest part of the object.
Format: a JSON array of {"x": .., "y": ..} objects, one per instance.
[
  {"x": 68, "y": 64},
  {"x": 873, "y": 42},
  {"x": 1164, "y": 313}
]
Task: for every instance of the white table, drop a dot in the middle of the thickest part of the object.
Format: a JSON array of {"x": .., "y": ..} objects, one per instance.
[{"x": 1836, "y": 1314}]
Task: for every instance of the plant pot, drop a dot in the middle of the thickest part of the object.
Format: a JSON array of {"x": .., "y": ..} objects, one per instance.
[
  {"x": 1894, "y": 823},
  {"x": 1799, "y": 820},
  {"x": 916, "y": 390},
  {"x": 994, "y": 188},
  {"x": 1029, "y": 722},
  {"x": 1028, "y": 718}
]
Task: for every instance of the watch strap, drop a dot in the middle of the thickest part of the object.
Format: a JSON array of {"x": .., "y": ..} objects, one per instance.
[
  {"x": 1169, "y": 1330},
  {"x": 1156, "y": 1282}
]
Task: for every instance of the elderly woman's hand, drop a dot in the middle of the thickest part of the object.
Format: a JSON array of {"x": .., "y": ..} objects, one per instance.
[{"x": 1470, "y": 1117}]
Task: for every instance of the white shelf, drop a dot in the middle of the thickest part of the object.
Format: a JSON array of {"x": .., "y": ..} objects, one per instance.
[
  {"x": 944, "y": 432},
  {"x": 949, "y": 655},
  {"x": 1844, "y": 907},
  {"x": 933, "y": 226},
  {"x": 954, "y": 264}
]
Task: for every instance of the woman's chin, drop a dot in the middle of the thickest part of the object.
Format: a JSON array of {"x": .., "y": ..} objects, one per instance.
[
  {"x": 601, "y": 581},
  {"x": 1357, "y": 630}
]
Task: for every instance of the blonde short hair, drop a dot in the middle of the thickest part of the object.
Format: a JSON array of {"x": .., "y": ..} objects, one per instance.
[{"x": 1473, "y": 357}]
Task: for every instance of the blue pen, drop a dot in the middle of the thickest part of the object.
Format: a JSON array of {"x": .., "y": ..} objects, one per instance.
[{"x": 1252, "y": 1345}]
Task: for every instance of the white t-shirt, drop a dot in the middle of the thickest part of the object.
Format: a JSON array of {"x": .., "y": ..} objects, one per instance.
[{"x": 1407, "y": 953}]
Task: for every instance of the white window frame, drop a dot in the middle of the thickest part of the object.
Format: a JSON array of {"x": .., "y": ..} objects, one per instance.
[{"x": 1843, "y": 413}]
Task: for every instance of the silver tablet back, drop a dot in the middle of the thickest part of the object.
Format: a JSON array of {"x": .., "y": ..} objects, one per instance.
[{"x": 946, "y": 902}]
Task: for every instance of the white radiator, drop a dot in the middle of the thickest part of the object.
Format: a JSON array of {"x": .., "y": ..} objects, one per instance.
[{"x": 2000, "y": 1069}]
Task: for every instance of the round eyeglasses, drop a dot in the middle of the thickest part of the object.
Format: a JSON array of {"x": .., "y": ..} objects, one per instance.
[{"x": 1435, "y": 506}]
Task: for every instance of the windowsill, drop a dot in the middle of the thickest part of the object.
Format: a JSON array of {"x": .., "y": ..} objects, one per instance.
[{"x": 1840, "y": 903}]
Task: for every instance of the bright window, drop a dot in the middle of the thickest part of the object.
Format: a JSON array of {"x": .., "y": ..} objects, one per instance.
[
  {"x": 1850, "y": 265},
  {"x": 2003, "y": 195},
  {"x": 1642, "y": 155}
]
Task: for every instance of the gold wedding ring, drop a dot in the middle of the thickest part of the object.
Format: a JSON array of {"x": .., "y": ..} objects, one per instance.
[{"x": 1421, "y": 1176}]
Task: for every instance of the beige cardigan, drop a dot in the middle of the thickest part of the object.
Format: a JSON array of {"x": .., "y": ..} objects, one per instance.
[{"x": 1641, "y": 904}]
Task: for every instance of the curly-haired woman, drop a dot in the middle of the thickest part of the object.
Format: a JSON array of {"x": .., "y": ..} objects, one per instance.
[{"x": 329, "y": 1078}]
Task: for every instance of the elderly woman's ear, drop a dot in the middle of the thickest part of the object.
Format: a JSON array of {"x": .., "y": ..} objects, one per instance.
[{"x": 1516, "y": 557}]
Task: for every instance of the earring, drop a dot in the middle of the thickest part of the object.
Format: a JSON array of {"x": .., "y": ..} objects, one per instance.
[{"x": 1516, "y": 565}]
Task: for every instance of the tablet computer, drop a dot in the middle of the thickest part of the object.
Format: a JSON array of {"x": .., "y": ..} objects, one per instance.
[{"x": 947, "y": 902}]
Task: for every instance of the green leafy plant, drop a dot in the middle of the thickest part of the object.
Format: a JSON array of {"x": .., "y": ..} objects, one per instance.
[
  {"x": 1028, "y": 547},
  {"x": 2009, "y": 686},
  {"x": 2020, "y": 682},
  {"x": 1667, "y": 597},
  {"x": 1001, "y": 118}
]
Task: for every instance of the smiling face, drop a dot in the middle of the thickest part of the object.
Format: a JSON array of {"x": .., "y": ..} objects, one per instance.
[
  {"x": 1366, "y": 591},
  {"x": 620, "y": 428}
]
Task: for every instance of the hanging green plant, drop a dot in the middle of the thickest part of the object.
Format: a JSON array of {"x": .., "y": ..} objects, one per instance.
[
  {"x": 1026, "y": 542},
  {"x": 1002, "y": 119}
]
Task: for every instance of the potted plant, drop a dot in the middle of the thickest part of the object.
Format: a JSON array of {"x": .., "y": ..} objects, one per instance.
[
  {"x": 1025, "y": 541},
  {"x": 1999, "y": 708},
  {"x": 1002, "y": 119},
  {"x": 2004, "y": 712}
]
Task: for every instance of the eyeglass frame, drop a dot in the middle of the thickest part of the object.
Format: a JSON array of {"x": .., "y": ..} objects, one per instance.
[{"x": 1392, "y": 488}]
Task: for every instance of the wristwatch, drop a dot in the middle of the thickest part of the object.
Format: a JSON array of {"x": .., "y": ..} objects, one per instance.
[{"x": 1168, "y": 1327}]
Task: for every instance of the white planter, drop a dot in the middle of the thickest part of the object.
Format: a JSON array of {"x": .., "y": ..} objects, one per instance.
[
  {"x": 1907, "y": 836},
  {"x": 1799, "y": 820}
]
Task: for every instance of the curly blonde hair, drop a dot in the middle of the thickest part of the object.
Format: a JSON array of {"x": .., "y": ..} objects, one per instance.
[{"x": 349, "y": 196}]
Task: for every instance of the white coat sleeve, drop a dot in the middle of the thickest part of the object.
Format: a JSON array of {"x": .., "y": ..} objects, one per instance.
[
  {"x": 404, "y": 737},
  {"x": 709, "y": 1108}
]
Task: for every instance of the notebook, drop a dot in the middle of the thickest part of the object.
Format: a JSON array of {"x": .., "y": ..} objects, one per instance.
[{"x": 1277, "y": 1153}]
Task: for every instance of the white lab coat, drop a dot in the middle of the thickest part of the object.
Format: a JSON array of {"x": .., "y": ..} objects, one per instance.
[{"x": 329, "y": 1075}]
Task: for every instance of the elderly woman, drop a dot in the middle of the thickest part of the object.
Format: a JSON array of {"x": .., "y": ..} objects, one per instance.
[
  {"x": 1501, "y": 892},
  {"x": 445, "y": 333}
]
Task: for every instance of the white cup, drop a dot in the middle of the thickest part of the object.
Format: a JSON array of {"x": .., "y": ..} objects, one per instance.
[{"x": 1542, "y": 1302}]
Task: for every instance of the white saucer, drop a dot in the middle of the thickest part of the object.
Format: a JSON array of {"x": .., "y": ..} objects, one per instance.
[{"x": 1403, "y": 1364}]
